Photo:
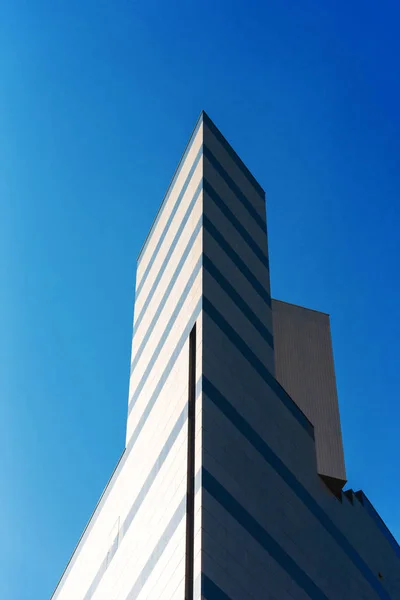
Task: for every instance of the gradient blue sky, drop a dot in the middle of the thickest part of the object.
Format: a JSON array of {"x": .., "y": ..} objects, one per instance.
[{"x": 97, "y": 100}]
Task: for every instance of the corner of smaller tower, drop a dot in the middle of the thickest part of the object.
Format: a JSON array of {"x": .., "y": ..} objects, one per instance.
[{"x": 335, "y": 484}]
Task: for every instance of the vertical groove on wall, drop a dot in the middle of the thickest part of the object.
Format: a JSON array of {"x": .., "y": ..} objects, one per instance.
[{"x": 190, "y": 467}]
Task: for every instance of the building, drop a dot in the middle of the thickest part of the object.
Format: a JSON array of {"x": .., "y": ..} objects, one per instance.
[{"x": 230, "y": 486}]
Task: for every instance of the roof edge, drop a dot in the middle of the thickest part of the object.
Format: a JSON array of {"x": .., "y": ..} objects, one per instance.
[{"x": 174, "y": 177}]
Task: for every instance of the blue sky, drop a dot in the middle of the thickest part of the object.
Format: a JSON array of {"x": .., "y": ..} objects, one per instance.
[{"x": 97, "y": 100}]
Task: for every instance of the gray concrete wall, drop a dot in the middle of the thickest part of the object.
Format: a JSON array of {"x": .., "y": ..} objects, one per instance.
[
  {"x": 271, "y": 528},
  {"x": 305, "y": 368}
]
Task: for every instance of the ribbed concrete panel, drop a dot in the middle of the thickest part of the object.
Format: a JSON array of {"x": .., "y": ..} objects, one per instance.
[
  {"x": 235, "y": 241},
  {"x": 304, "y": 367}
]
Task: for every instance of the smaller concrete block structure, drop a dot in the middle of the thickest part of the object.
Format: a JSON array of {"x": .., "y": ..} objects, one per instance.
[{"x": 304, "y": 367}]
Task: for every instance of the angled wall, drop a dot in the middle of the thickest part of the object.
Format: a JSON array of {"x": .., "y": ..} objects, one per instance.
[{"x": 135, "y": 543}]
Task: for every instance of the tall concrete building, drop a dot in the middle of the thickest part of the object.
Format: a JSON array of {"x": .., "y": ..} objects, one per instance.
[{"x": 230, "y": 485}]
